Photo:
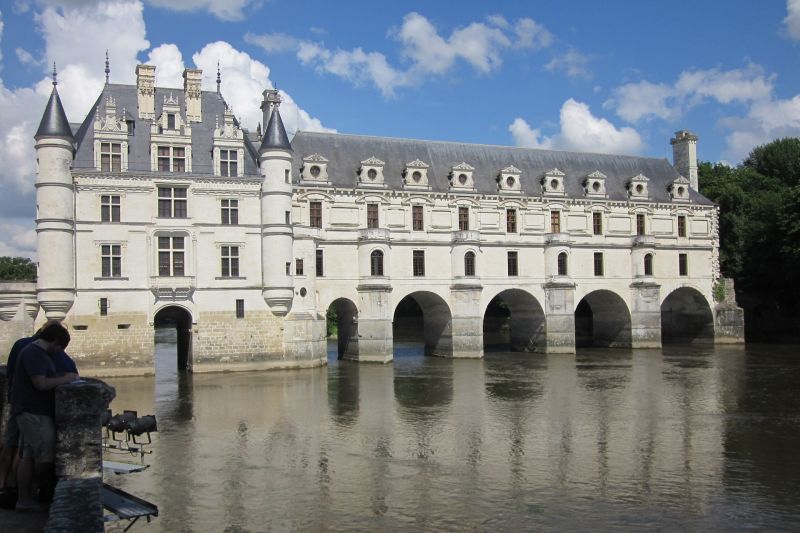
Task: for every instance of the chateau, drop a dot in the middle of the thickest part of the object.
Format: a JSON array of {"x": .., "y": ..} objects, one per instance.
[{"x": 159, "y": 209}]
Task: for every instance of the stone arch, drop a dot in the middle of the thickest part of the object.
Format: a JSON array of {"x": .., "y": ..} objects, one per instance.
[
  {"x": 346, "y": 319},
  {"x": 514, "y": 320},
  {"x": 686, "y": 317},
  {"x": 602, "y": 319},
  {"x": 179, "y": 318},
  {"x": 425, "y": 317}
]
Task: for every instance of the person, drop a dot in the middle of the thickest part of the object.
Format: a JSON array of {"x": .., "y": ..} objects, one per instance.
[{"x": 33, "y": 406}]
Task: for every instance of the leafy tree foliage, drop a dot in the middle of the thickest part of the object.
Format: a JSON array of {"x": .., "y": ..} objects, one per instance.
[{"x": 17, "y": 269}]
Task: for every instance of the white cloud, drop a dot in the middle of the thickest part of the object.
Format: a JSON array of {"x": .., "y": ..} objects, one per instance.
[
  {"x": 20, "y": 238},
  {"x": 634, "y": 101},
  {"x": 26, "y": 58},
  {"x": 222, "y": 9},
  {"x": 168, "y": 60},
  {"x": 273, "y": 42},
  {"x": 765, "y": 121},
  {"x": 572, "y": 62},
  {"x": 580, "y": 131},
  {"x": 792, "y": 20}
]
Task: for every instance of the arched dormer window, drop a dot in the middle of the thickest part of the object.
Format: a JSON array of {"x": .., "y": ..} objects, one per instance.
[
  {"x": 469, "y": 264},
  {"x": 562, "y": 264},
  {"x": 648, "y": 265},
  {"x": 376, "y": 263}
]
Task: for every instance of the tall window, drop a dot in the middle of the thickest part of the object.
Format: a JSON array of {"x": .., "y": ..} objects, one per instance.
[
  {"x": 511, "y": 220},
  {"x": 598, "y": 263},
  {"x": 463, "y": 218},
  {"x": 320, "y": 263},
  {"x": 103, "y": 306},
  {"x": 512, "y": 260},
  {"x": 109, "y": 208},
  {"x": 172, "y": 202},
  {"x": 640, "y": 228},
  {"x": 239, "y": 308},
  {"x": 416, "y": 218},
  {"x": 562, "y": 264},
  {"x": 298, "y": 267},
  {"x": 681, "y": 226},
  {"x": 171, "y": 258},
  {"x": 316, "y": 214},
  {"x": 111, "y": 260},
  {"x": 230, "y": 261},
  {"x": 228, "y": 163},
  {"x": 170, "y": 121},
  {"x": 376, "y": 263},
  {"x": 230, "y": 212},
  {"x": 418, "y": 263},
  {"x": 683, "y": 265},
  {"x": 648, "y": 265},
  {"x": 171, "y": 159},
  {"x": 372, "y": 216},
  {"x": 597, "y": 223},
  {"x": 555, "y": 221},
  {"x": 469, "y": 264},
  {"x": 111, "y": 157}
]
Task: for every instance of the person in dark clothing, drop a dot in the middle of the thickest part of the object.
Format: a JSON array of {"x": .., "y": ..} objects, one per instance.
[{"x": 33, "y": 406}]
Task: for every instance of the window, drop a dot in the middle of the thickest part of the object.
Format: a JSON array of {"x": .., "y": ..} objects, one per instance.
[
  {"x": 109, "y": 208},
  {"x": 230, "y": 261},
  {"x": 103, "y": 306},
  {"x": 683, "y": 265},
  {"x": 239, "y": 308},
  {"x": 171, "y": 159},
  {"x": 288, "y": 269},
  {"x": 111, "y": 157},
  {"x": 463, "y": 218},
  {"x": 172, "y": 202},
  {"x": 513, "y": 264},
  {"x": 228, "y": 163},
  {"x": 287, "y": 217},
  {"x": 230, "y": 212},
  {"x": 418, "y": 263},
  {"x": 372, "y": 216},
  {"x": 648, "y": 265},
  {"x": 316, "y": 214},
  {"x": 562, "y": 264},
  {"x": 640, "y": 224},
  {"x": 511, "y": 220},
  {"x": 376, "y": 263},
  {"x": 170, "y": 121},
  {"x": 298, "y": 267},
  {"x": 416, "y": 218},
  {"x": 111, "y": 260},
  {"x": 555, "y": 221},
  {"x": 171, "y": 258},
  {"x": 598, "y": 264},
  {"x": 286, "y": 176},
  {"x": 597, "y": 223},
  {"x": 469, "y": 264},
  {"x": 681, "y": 226},
  {"x": 320, "y": 264}
]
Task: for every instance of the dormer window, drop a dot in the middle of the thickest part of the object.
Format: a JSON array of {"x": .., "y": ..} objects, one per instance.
[
  {"x": 679, "y": 190},
  {"x": 111, "y": 140},
  {"x": 637, "y": 187},
  {"x": 416, "y": 174},
  {"x": 595, "y": 184},
  {"x": 553, "y": 182},
  {"x": 371, "y": 171},
  {"x": 170, "y": 121},
  {"x": 461, "y": 176},
  {"x": 110, "y": 157},
  {"x": 171, "y": 159},
  {"x": 508, "y": 180},
  {"x": 315, "y": 168},
  {"x": 228, "y": 163}
]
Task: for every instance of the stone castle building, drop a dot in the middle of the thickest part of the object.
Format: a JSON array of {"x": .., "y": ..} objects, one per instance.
[{"x": 159, "y": 209}]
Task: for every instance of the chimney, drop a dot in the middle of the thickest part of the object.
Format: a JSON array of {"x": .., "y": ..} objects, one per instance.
[
  {"x": 271, "y": 98},
  {"x": 684, "y": 156},
  {"x": 145, "y": 91},
  {"x": 192, "y": 80}
]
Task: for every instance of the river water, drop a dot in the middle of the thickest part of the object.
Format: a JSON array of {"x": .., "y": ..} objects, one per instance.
[{"x": 692, "y": 438}]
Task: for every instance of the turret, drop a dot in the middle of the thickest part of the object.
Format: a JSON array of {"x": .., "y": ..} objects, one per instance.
[
  {"x": 55, "y": 216},
  {"x": 684, "y": 156},
  {"x": 275, "y": 162}
]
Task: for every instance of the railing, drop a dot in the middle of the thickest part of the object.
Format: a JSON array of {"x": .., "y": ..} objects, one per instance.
[
  {"x": 373, "y": 234},
  {"x": 172, "y": 288},
  {"x": 557, "y": 238},
  {"x": 466, "y": 236},
  {"x": 643, "y": 240}
]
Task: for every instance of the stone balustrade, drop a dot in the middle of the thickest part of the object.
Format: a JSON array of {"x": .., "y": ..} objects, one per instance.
[
  {"x": 466, "y": 237},
  {"x": 374, "y": 235}
]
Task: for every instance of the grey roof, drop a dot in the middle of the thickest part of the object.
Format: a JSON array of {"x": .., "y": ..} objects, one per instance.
[
  {"x": 275, "y": 137},
  {"x": 54, "y": 120},
  {"x": 345, "y": 153}
]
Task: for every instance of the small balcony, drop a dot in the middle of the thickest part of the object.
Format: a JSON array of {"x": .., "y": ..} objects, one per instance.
[
  {"x": 373, "y": 235},
  {"x": 466, "y": 237},
  {"x": 172, "y": 288},
  {"x": 647, "y": 241},
  {"x": 556, "y": 239}
]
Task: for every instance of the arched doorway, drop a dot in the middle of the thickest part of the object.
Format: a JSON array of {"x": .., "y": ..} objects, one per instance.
[
  {"x": 342, "y": 321},
  {"x": 686, "y": 318},
  {"x": 178, "y": 319},
  {"x": 514, "y": 321},
  {"x": 602, "y": 319},
  {"x": 423, "y": 320}
]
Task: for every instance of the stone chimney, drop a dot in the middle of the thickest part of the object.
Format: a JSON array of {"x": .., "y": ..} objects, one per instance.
[
  {"x": 145, "y": 91},
  {"x": 271, "y": 99},
  {"x": 192, "y": 80},
  {"x": 684, "y": 156}
]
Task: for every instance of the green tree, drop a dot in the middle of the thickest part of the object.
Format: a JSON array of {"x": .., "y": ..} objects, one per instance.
[{"x": 17, "y": 269}]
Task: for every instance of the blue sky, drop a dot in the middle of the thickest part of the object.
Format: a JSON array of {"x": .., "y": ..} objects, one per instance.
[{"x": 613, "y": 76}]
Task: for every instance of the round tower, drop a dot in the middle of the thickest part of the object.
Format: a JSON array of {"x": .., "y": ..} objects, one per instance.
[
  {"x": 275, "y": 162},
  {"x": 55, "y": 212}
]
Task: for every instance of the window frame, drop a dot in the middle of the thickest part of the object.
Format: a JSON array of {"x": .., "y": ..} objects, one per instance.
[
  {"x": 512, "y": 263},
  {"x": 373, "y": 216},
  {"x": 169, "y": 160},
  {"x": 229, "y": 259},
  {"x": 463, "y": 218},
  {"x": 376, "y": 263},
  {"x": 418, "y": 263},
  {"x": 511, "y": 220},
  {"x": 417, "y": 218},
  {"x": 562, "y": 264},
  {"x": 229, "y": 162},
  {"x": 176, "y": 256},
  {"x": 110, "y": 160},
  {"x": 110, "y": 205},
  {"x": 648, "y": 264},
  {"x": 641, "y": 224},
  {"x": 319, "y": 263},
  {"x": 597, "y": 223},
  {"x": 681, "y": 225},
  {"x": 599, "y": 267},
  {"x": 110, "y": 260},
  {"x": 683, "y": 264},
  {"x": 175, "y": 205},
  {"x": 298, "y": 267},
  {"x": 229, "y": 212},
  {"x": 239, "y": 308},
  {"x": 315, "y": 214},
  {"x": 555, "y": 221},
  {"x": 469, "y": 264}
]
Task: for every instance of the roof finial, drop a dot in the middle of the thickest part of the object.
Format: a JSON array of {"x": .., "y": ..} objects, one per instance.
[
  {"x": 108, "y": 67},
  {"x": 55, "y": 74},
  {"x": 219, "y": 78}
]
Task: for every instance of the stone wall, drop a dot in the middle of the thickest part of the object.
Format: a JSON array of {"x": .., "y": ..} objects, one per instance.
[
  {"x": 18, "y": 308},
  {"x": 117, "y": 344}
]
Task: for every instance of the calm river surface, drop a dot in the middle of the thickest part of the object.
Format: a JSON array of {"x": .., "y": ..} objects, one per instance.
[{"x": 691, "y": 438}]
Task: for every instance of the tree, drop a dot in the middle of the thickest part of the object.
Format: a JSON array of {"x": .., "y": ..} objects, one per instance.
[{"x": 17, "y": 269}]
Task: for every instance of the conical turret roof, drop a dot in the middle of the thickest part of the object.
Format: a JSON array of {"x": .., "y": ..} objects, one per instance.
[
  {"x": 54, "y": 121},
  {"x": 275, "y": 137}
]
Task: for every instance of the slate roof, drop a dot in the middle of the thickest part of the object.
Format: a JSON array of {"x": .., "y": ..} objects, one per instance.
[
  {"x": 54, "y": 120},
  {"x": 345, "y": 153},
  {"x": 275, "y": 136}
]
